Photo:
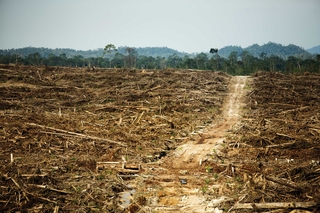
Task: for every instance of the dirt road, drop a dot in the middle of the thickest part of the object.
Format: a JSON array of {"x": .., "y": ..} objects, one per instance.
[{"x": 181, "y": 181}]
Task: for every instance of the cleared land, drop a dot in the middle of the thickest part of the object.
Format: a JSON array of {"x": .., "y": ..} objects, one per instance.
[
  {"x": 106, "y": 140},
  {"x": 71, "y": 130}
]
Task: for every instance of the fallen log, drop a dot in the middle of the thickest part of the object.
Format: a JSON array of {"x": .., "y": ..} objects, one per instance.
[
  {"x": 285, "y": 182},
  {"x": 284, "y": 205},
  {"x": 127, "y": 171}
]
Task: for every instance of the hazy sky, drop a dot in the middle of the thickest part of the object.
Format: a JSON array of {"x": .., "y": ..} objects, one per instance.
[{"x": 184, "y": 25}]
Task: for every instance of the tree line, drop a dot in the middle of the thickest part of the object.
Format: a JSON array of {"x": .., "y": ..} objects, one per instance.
[{"x": 236, "y": 63}]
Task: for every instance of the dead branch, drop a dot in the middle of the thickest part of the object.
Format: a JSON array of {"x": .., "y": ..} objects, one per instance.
[
  {"x": 56, "y": 209},
  {"x": 78, "y": 134},
  {"x": 286, "y": 136},
  {"x": 293, "y": 110},
  {"x": 15, "y": 182},
  {"x": 283, "y": 145},
  {"x": 43, "y": 198},
  {"x": 23, "y": 190},
  {"x": 34, "y": 175},
  {"x": 284, "y": 205},
  {"x": 50, "y": 188},
  {"x": 285, "y": 182},
  {"x": 108, "y": 162}
]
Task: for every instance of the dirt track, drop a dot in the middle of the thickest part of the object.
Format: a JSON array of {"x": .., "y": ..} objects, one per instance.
[
  {"x": 180, "y": 177},
  {"x": 190, "y": 154}
]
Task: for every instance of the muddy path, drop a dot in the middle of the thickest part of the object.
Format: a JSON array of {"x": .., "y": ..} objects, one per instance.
[{"x": 180, "y": 181}]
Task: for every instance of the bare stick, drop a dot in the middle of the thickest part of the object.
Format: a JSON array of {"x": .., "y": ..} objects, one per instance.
[
  {"x": 139, "y": 118},
  {"x": 77, "y": 134},
  {"x": 283, "y": 135},
  {"x": 283, "y": 145},
  {"x": 16, "y": 183},
  {"x": 56, "y": 209},
  {"x": 46, "y": 199},
  {"x": 34, "y": 175},
  {"x": 285, "y": 205},
  {"x": 293, "y": 110},
  {"x": 107, "y": 162},
  {"x": 23, "y": 191},
  {"x": 284, "y": 182},
  {"x": 50, "y": 188}
]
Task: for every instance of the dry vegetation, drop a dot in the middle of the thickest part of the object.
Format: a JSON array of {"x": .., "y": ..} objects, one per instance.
[
  {"x": 65, "y": 132},
  {"x": 71, "y": 137},
  {"x": 276, "y": 148}
]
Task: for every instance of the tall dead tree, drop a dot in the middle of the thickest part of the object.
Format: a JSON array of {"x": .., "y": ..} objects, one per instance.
[{"x": 131, "y": 58}]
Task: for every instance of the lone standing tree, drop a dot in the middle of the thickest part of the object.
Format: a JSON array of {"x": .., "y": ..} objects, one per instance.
[
  {"x": 131, "y": 58},
  {"x": 108, "y": 49}
]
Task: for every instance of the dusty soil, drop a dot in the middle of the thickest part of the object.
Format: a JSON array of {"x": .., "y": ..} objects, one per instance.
[
  {"x": 189, "y": 154},
  {"x": 181, "y": 181},
  {"x": 71, "y": 137},
  {"x": 262, "y": 153},
  {"x": 276, "y": 148},
  {"x": 108, "y": 140}
]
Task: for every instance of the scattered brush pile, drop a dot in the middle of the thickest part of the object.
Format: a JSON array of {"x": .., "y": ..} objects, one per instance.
[
  {"x": 278, "y": 143},
  {"x": 58, "y": 125}
]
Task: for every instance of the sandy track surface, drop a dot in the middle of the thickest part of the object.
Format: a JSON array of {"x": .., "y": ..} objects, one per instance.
[
  {"x": 176, "y": 184},
  {"x": 190, "y": 154}
]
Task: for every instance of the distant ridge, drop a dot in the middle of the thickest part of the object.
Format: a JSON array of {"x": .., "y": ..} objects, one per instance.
[
  {"x": 45, "y": 52},
  {"x": 269, "y": 49},
  {"x": 314, "y": 50},
  {"x": 154, "y": 51}
]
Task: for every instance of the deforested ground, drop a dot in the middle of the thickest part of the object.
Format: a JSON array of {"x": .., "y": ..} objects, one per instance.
[
  {"x": 66, "y": 132},
  {"x": 126, "y": 140}
]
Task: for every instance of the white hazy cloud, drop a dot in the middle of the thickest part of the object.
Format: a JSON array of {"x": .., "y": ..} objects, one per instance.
[{"x": 184, "y": 25}]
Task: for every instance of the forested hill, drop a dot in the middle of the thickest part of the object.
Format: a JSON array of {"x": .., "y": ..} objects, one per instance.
[
  {"x": 267, "y": 50},
  {"x": 46, "y": 52},
  {"x": 314, "y": 50},
  {"x": 256, "y": 50},
  {"x": 154, "y": 51},
  {"x": 69, "y": 53}
]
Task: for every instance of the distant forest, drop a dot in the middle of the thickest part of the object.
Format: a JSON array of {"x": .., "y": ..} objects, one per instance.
[{"x": 231, "y": 59}]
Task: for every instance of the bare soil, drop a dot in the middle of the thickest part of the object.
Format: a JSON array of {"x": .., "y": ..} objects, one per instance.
[
  {"x": 182, "y": 180},
  {"x": 261, "y": 154},
  {"x": 125, "y": 140}
]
